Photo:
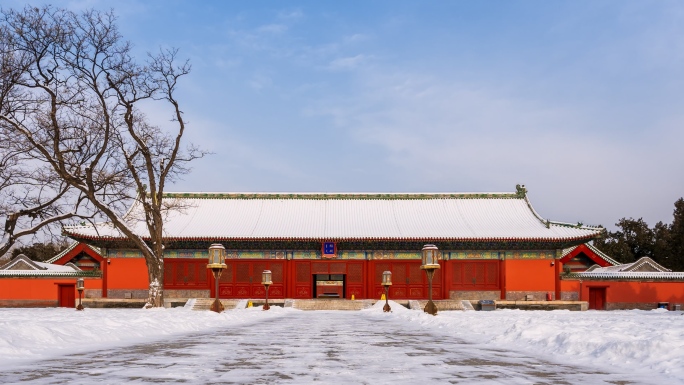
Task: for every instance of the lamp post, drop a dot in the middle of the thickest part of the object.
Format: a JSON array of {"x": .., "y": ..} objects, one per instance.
[
  {"x": 430, "y": 264},
  {"x": 217, "y": 262},
  {"x": 266, "y": 281},
  {"x": 386, "y": 282},
  {"x": 80, "y": 285}
]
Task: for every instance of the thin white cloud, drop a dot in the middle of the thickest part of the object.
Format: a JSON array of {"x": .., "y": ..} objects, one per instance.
[
  {"x": 291, "y": 15},
  {"x": 347, "y": 63},
  {"x": 272, "y": 28},
  {"x": 457, "y": 136},
  {"x": 260, "y": 81}
]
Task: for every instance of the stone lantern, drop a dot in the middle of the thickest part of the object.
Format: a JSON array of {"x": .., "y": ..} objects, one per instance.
[
  {"x": 217, "y": 262},
  {"x": 266, "y": 281},
  {"x": 80, "y": 286},
  {"x": 386, "y": 283},
  {"x": 430, "y": 264}
]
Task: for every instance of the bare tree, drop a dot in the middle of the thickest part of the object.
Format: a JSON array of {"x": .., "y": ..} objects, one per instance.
[
  {"x": 33, "y": 199},
  {"x": 76, "y": 100}
]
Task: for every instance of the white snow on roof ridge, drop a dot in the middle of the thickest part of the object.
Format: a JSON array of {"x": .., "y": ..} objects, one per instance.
[{"x": 352, "y": 218}]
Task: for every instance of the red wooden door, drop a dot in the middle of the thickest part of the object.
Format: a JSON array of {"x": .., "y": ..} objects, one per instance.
[
  {"x": 474, "y": 275},
  {"x": 597, "y": 298},
  {"x": 66, "y": 295},
  {"x": 408, "y": 280},
  {"x": 186, "y": 274},
  {"x": 242, "y": 279}
]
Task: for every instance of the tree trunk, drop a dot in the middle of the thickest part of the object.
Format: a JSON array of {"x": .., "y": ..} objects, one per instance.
[{"x": 155, "y": 273}]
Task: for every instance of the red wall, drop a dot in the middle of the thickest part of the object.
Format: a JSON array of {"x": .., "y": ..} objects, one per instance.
[
  {"x": 39, "y": 288},
  {"x": 530, "y": 275},
  {"x": 127, "y": 273},
  {"x": 630, "y": 292}
]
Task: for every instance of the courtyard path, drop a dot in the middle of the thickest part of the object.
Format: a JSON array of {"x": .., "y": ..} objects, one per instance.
[{"x": 331, "y": 347}]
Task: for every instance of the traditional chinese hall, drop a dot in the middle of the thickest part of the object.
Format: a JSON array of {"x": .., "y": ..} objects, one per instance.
[{"x": 492, "y": 246}]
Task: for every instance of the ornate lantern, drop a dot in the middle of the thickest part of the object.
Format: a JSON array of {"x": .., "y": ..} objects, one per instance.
[
  {"x": 217, "y": 262},
  {"x": 266, "y": 281},
  {"x": 430, "y": 264},
  {"x": 80, "y": 286},
  {"x": 266, "y": 278},
  {"x": 386, "y": 278},
  {"x": 217, "y": 256},
  {"x": 386, "y": 282},
  {"x": 430, "y": 257}
]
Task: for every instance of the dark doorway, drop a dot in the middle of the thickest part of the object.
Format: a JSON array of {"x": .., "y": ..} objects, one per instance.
[
  {"x": 597, "y": 298},
  {"x": 66, "y": 295},
  {"x": 329, "y": 286}
]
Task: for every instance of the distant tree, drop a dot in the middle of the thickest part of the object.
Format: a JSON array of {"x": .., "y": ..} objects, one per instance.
[
  {"x": 41, "y": 251},
  {"x": 662, "y": 239},
  {"x": 632, "y": 240},
  {"x": 676, "y": 237},
  {"x": 75, "y": 100}
]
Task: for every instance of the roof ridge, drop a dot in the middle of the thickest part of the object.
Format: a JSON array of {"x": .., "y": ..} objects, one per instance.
[{"x": 342, "y": 195}]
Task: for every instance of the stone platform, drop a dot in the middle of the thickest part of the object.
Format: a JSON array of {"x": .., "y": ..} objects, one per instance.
[{"x": 540, "y": 305}]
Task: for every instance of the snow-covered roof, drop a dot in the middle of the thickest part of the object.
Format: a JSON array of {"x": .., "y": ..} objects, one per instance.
[
  {"x": 22, "y": 266},
  {"x": 48, "y": 273},
  {"x": 642, "y": 265},
  {"x": 593, "y": 248},
  {"x": 68, "y": 249},
  {"x": 617, "y": 275},
  {"x": 24, "y": 263},
  {"x": 348, "y": 216}
]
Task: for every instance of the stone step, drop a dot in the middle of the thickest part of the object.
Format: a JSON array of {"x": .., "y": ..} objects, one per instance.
[
  {"x": 331, "y": 304},
  {"x": 205, "y": 303},
  {"x": 442, "y": 305}
]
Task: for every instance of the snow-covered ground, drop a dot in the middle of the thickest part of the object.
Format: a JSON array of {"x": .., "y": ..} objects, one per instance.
[
  {"x": 632, "y": 340},
  {"x": 33, "y": 334},
  {"x": 646, "y": 343}
]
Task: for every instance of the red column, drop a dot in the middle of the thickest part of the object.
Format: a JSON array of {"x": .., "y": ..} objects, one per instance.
[
  {"x": 104, "y": 264},
  {"x": 445, "y": 274},
  {"x": 557, "y": 271},
  {"x": 502, "y": 277},
  {"x": 368, "y": 278}
]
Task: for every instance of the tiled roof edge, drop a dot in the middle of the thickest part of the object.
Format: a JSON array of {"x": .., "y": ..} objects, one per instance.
[
  {"x": 342, "y": 196},
  {"x": 49, "y": 274},
  {"x": 603, "y": 255},
  {"x": 656, "y": 276},
  {"x": 68, "y": 249}
]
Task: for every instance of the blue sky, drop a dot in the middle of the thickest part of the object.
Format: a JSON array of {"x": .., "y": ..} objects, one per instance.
[{"x": 580, "y": 101}]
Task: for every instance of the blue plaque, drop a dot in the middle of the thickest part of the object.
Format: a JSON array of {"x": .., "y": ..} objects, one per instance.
[{"x": 329, "y": 248}]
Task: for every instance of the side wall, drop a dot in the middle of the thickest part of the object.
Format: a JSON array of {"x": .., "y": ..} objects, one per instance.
[
  {"x": 127, "y": 278},
  {"x": 40, "y": 292},
  {"x": 627, "y": 294},
  {"x": 529, "y": 277}
]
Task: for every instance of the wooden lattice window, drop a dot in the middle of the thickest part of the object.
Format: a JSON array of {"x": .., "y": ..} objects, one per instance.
[
  {"x": 242, "y": 273},
  {"x": 457, "y": 273},
  {"x": 277, "y": 271},
  {"x": 355, "y": 273},
  {"x": 399, "y": 274},
  {"x": 475, "y": 275},
  {"x": 258, "y": 268},
  {"x": 168, "y": 274},
  {"x": 227, "y": 275},
  {"x": 492, "y": 274},
  {"x": 379, "y": 269},
  {"x": 319, "y": 267},
  {"x": 181, "y": 278},
  {"x": 303, "y": 272},
  {"x": 415, "y": 274},
  {"x": 202, "y": 273}
]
